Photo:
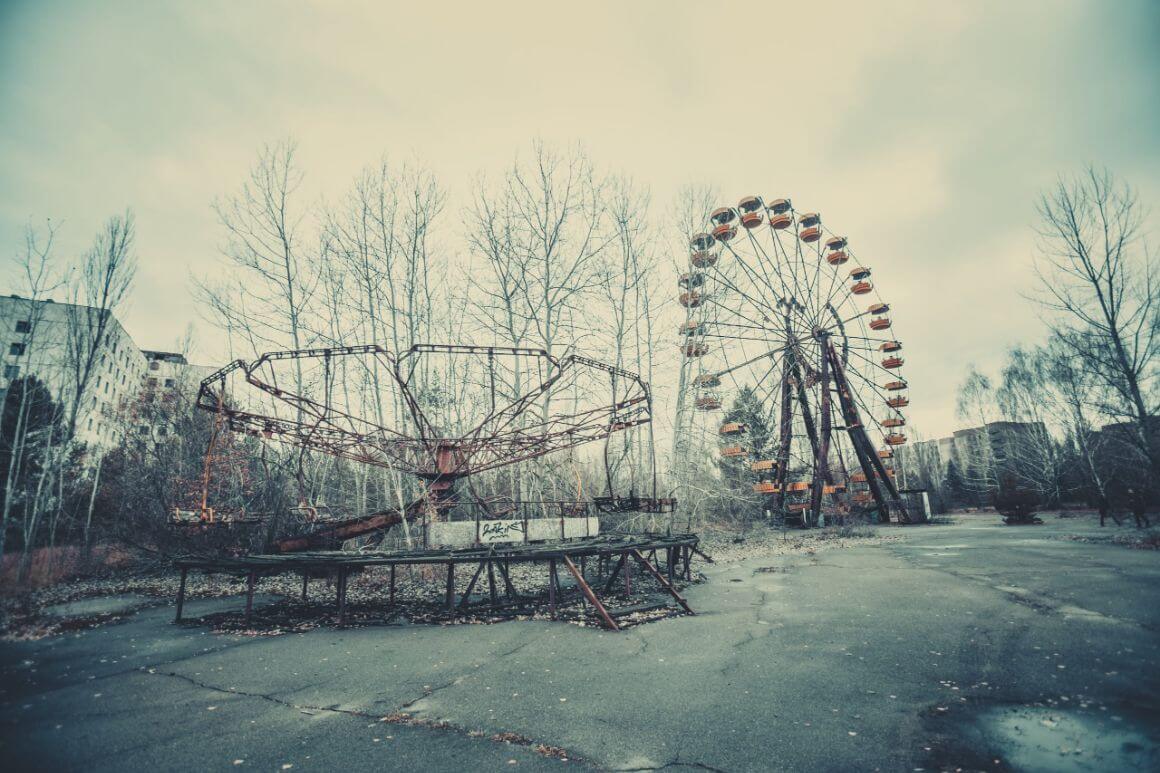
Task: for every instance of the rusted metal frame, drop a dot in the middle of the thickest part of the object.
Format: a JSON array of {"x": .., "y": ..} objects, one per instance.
[
  {"x": 660, "y": 578},
  {"x": 251, "y": 582},
  {"x": 343, "y": 567},
  {"x": 509, "y": 589},
  {"x": 785, "y": 433},
  {"x": 703, "y": 554},
  {"x": 450, "y": 603},
  {"x": 342, "y": 582},
  {"x": 514, "y": 409},
  {"x": 822, "y": 462},
  {"x": 322, "y": 561},
  {"x": 471, "y": 585},
  {"x": 871, "y": 455},
  {"x": 552, "y": 587},
  {"x": 317, "y": 410},
  {"x": 315, "y": 435},
  {"x": 614, "y": 575},
  {"x": 181, "y": 594},
  {"x": 491, "y": 583},
  {"x": 858, "y": 439},
  {"x": 205, "y": 389},
  {"x": 576, "y": 422},
  {"x": 590, "y": 594},
  {"x": 255, "y": 424}
]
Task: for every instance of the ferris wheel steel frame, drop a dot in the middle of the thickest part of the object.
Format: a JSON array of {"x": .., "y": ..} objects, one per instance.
[{"x": 812, "y": 338}]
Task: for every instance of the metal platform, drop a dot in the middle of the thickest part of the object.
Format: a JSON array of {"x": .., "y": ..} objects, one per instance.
[{"x": 666, "y": 558}]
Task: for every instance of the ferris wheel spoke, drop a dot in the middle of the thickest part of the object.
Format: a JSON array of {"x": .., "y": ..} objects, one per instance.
[
  {"x": 753, "y": 324},
  {"x": 742, "y": 263},
  {"x": 768, "y": 264},
  {"x": 785, "y": 262}
]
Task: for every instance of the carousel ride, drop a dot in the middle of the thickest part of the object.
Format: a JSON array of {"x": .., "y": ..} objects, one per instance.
[
  {"x": 433, "y": 419},
  {"x": 797, "y": 370}
]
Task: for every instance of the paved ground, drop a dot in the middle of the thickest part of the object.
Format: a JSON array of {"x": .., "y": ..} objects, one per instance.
[{"x": 970, "y": 644}]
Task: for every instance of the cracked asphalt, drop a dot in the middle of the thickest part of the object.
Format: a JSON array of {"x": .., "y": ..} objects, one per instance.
[{"x": 892, "y": 656}]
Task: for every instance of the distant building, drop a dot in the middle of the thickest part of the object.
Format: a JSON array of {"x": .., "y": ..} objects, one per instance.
[
  {"x": 167, "y": 376},
  {"x": 35, "y": 340},
  {"x": 994, "y": 447}
]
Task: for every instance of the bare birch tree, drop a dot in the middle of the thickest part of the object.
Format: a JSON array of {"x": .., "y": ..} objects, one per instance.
[
  {"x": 1099, "y": 285},
  {"x": 38, "y": 281},
  {"x": 97, "y": 292}
]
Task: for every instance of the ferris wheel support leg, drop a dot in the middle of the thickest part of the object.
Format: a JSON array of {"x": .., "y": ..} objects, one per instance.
[
  {"x": 785, "y": 435},
  {"x": 822, "y": 460},
  {"x": 896, "y": 500},
  {"x": 862, "y": 448}
]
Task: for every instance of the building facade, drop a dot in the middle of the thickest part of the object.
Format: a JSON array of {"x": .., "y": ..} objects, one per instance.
[{"x": 40, "y": 338}]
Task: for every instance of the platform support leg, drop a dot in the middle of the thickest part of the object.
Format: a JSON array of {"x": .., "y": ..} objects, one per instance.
[
  {"x": 552, "y": 587},
  {"x": 392, "y": 585},
  {"x": 491, "y": 584},
  {"x": 342, "y": 597},
  {"x": 181, "y": 594},
  {"x": 591, "y": 595},
  {"x": 612, "y": 577},
  {"x": 251, "y": 581},
  {"x": 509, "y": 589},
  {"x": 450, "y": 585},
  {"x": 661, "y": 579},
  {"x": 471, "y": 585},
  {"x": 305, "y": 581}
]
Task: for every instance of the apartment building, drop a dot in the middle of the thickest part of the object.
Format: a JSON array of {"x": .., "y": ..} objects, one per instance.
[
  {"x": 36, "y": 338},
  {"x": 996, "y": 445}
]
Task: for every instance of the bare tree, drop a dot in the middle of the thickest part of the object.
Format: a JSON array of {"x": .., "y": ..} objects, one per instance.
[
  {"x": 38, "y": 281},
  {"x": 266, "y": 293},
  {"x": 1099, "y": 285},
  {"x": 96, "y": 293},
  {"x": 271, "y": 266},
  {"x": 976, "y": 403},
  {"x": 1027, "y": 396},
  {"x": 540, "y": 233},
  {"x": 629, "y": 282},
  {"x": 1076, "y": 387}
]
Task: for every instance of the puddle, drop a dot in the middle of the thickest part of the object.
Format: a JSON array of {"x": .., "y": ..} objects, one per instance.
[
  {"x": 106, "y": 605},
  {"x": 1039, "y": 739},
  {"x": 935, "y": 547},
  {"x": 942, "y": 554}
]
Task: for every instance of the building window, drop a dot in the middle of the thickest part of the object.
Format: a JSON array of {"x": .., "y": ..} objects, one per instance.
[
  {"x": 16, "y": 349},
  {"x": 154, "y": 365},
  {"x": 143, "y": 429},
  {"x": 152, "y": 382},
  {"x": 22, "y": 326},
  {"x": 11, "y": 371},
  {"x": 169, "y": 382}
]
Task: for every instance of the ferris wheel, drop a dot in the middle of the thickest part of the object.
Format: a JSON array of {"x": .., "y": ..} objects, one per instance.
[{"x": 796, "y": 369}]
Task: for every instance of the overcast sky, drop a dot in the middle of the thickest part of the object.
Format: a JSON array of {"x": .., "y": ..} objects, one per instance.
[{"x": 924, "y": 131}]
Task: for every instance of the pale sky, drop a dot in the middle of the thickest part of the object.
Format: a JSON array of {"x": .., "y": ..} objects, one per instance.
[{"x": 924, "y": 131}]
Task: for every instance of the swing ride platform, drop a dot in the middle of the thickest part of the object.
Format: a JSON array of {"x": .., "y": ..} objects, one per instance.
[{"x": 665, "y": 560}]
